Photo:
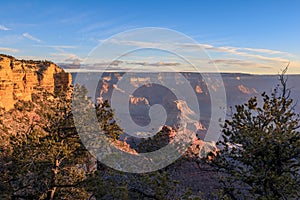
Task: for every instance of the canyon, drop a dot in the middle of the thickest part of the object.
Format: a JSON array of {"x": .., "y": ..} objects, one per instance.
[
  {"x": 238, "y": 87},
  {"x": 19, "y": 79}
]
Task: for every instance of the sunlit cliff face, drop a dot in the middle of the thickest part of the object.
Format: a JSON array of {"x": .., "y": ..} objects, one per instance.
[{"x": 20, "y": 78}]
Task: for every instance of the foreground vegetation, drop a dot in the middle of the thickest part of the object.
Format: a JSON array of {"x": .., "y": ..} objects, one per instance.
[
  {"x": 260, "y": 150},
  {"x": 42, "y": 157}
]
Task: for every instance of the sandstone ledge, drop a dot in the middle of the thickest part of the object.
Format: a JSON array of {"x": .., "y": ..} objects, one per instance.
[{"x": 19, "y": 79}]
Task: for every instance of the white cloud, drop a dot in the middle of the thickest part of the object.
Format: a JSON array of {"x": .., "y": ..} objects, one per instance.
[
  {"x": 4, "y": 28},
  {"x": 9, "y": 50},
  {"x": 153, "y": 64},
  {"x": 30, "y": 37},
  {"x": 66, "y": 57},
  {"x": 227, "y": 58},
  {"x": 268, "y": 51},
  {"x": 58, "y": 46},
  {"x": 254, "y": 53},
  {"x": 294, "y": 67}
]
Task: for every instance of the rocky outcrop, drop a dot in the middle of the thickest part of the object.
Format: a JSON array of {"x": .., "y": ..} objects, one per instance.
[
  {"x": 139, "y": 100},
  {"x": 198, "y": 89},
  {"x": 19, "y": 79},
  {"x": 246, "y": 90}
]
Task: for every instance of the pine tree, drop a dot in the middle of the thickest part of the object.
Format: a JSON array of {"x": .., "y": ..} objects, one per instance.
[{"x": 260, "y": 150}]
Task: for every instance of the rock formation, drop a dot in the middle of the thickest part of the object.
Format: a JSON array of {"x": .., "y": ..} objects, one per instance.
[
  {"x": 246, "y": 90},
  {"x": 19, "y": 79}
]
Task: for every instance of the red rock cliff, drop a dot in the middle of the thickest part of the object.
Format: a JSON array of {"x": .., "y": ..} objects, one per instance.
[{"x": 20, "y": 78}]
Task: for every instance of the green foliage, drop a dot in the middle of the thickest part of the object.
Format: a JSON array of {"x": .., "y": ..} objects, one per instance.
[
  {"x": 154, "y": 143},
  {"x": 47, "y": 160},
  {"x": 260, "y": 151},
  {"x": 105, "y": 117},
  {"x": 107, "y": 183},
  {"x": 47, "y": 163}
]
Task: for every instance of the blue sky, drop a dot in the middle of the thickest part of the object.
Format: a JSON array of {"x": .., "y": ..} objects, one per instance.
[{"x": 240, "y": 36}]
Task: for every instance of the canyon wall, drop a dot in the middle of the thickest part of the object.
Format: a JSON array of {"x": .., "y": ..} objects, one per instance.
[{"x": 21, "y": 78}]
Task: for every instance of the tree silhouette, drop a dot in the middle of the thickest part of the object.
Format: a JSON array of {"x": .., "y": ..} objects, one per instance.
[{"x": 260, "y": 150}]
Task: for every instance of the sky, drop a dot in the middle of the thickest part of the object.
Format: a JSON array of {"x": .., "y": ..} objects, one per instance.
[{"x": 259, "y": 37}]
